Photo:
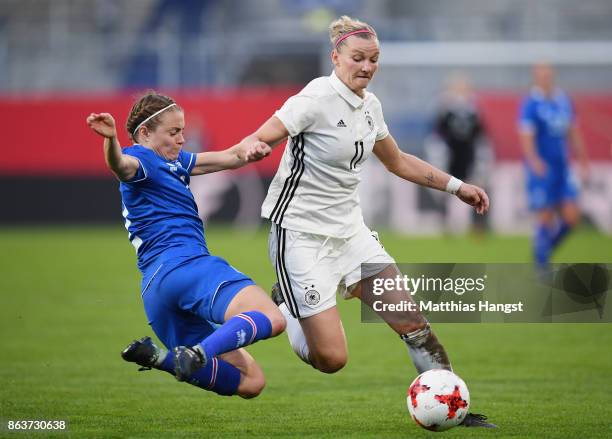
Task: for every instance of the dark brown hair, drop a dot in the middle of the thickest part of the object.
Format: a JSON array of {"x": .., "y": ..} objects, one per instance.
[{"x": 148, "y": 104}]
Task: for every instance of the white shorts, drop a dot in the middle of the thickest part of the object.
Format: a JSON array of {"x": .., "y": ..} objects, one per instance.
[{"x": 312, "y": 268}]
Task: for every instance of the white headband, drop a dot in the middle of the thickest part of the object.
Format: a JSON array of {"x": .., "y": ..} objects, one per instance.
[{"x": 151, "y": 117}]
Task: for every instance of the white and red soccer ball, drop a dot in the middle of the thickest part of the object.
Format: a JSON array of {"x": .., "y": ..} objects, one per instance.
[{"x": 438, "y": 400}]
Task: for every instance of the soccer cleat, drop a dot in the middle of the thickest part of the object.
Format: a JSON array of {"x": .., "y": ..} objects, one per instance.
[
  {"x": 277, "y": 296},
  {"x": 477, "y": 420},
  {"x": 187, "y": 361},
  {"x": 142, "y": 352}
]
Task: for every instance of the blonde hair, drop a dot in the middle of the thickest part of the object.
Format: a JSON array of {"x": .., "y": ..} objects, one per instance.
[{"x": 344, "y": 25}]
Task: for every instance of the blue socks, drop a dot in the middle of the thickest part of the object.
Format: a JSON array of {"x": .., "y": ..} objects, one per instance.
[
  {"x": 168, "y": 364},
  {"x": 241, "y": 330},
  {"x": 542, "y": 245},
  {"x": 546, "y": 240},
  {"x": 217, "y": 376},
  {"x": 560, "y": 233}
]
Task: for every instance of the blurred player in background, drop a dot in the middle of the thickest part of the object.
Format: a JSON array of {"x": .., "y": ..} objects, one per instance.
[
  {"x": 196, "y": 303},
  {"x": 459, "y": 125},
  {"x": 547, "y": 123},
  {"x": 318, "y": 241}
]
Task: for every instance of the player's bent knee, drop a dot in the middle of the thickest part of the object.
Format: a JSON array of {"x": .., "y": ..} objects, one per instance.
[
  {"x": 330, "y": 366},
  {"x": 330, "y": 363},
  {"x": 252, "y": 386}
]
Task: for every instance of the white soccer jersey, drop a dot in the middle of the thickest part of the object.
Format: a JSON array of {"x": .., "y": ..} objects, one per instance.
[{"x": 333, "y": 132}]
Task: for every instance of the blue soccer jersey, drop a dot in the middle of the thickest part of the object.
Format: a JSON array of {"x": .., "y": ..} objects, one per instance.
[
  {"x": 160, "y": 212},
  {"x": 549, "y": 119},
  {"x": 186, "y": 291}
]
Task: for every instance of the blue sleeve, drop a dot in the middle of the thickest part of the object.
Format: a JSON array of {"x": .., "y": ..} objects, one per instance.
[
  {"x": 188, "y": 160},
  {"x": 527, "y": 118},
  {"x": 143, "y": 171}
]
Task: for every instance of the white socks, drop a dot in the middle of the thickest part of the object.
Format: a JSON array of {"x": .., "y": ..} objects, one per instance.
[
  {"x": 426, "y": 351},
  {"x": 295, "y": 334}
]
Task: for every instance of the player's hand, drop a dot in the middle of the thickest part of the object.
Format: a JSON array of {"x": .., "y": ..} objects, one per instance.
[
  {"x": 257, "y": 151},
  {"x": 538, "y": 166},
  {"x": 103, "y": 124},
  {"x": 474, "y": 196}
]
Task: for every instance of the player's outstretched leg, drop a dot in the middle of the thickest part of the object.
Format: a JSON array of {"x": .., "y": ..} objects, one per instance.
[
  {"x": 424, "y": 348},
  {"x": 569, "y": 218},
  {"x": 543, "y": 239},
  {"x": 235, "y": 373},
  {"x": 542, "y": 245},
  {"x": 250, "y": 316}
]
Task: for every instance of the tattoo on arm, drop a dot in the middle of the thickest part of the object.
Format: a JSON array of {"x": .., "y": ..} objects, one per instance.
[{"x": 430, "y": 179}]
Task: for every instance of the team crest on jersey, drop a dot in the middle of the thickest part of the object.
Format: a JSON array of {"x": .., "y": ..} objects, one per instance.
[
  {"x": 370, "y": 121},
  {"x": 312, "y": 297}
]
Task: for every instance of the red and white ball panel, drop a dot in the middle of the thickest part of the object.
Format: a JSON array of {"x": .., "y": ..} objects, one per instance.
[{"x": 438, "y": 400}]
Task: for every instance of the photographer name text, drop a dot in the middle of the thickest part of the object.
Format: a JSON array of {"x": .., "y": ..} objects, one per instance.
[{"x": 429, "y": 306}]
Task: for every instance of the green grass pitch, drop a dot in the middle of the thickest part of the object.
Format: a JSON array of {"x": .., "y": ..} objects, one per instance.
[{"x": 69, "y": 302}]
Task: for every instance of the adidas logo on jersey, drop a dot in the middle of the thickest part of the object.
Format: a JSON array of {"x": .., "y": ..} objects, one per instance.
[{"x": 341, "y": 124}]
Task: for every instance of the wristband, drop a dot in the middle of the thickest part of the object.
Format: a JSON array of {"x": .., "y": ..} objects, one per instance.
[{"x": 453, "y": 185}]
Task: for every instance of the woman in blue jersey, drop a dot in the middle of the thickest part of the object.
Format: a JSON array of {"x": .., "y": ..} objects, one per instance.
[
  {"x": 547, "y": 122},
  {"x": 201, "y": 308}
]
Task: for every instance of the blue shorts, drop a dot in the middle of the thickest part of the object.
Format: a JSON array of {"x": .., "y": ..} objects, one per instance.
[
  {"x": 550, "y": 190},
  {"x": 187, "y": 298}
]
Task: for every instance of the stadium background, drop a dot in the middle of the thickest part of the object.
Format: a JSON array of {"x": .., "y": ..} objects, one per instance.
[
  {"x": 68, "y": 272},
  {"x": 232, "y": 63}
]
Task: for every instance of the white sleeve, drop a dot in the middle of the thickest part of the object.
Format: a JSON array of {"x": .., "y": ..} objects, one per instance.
[
  {"x": 382, "y": 129},
  {"x": 298, "y": 114}
]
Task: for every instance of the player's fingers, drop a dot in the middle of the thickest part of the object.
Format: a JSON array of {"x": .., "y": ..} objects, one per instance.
[
  {"x": 482, "y": 208},
  {"x": 266, "y": 150},
  {"x": 252, "y": 154},
  {"x": 476, "y": 199},
  {"x": 262, "y": 146},
  {"x": 485, "y": 201},
  {"x": 260, "y": 150},
  {"x": 477, "y": 204}
]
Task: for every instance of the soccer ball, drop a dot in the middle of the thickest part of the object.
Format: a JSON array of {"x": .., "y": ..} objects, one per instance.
[{"x": 438, "y": 400}]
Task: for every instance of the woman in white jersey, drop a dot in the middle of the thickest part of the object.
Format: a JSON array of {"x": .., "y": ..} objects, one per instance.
[{"x": 318, "y": 240}]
